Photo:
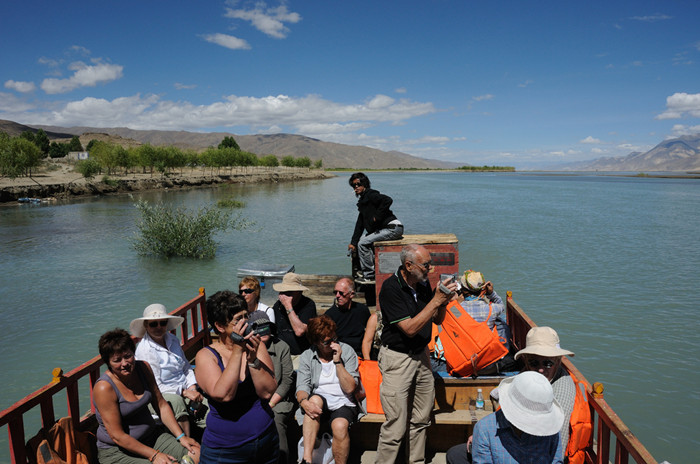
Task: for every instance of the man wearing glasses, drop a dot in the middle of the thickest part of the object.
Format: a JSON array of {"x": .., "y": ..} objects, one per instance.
[
  {"x": 408, "y": 307},
  {"x": 376, "y": 218},
  {"x": 349, "y": 316}
]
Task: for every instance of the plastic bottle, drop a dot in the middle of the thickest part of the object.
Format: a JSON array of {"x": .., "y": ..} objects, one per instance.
[
  {"x": 479, "y": 399},
  {"x": 187, "y": 459}
]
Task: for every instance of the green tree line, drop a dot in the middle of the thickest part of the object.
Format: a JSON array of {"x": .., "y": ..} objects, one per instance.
[{"x": 19, "y": 155}]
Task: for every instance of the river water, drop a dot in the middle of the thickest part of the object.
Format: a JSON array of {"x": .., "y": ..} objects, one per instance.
[{"x": 610, "y": 262}]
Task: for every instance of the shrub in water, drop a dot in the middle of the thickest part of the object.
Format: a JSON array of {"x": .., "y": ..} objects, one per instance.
[
  {"x": 166, "y": 231},
  {"x": 230, "y": 203}
]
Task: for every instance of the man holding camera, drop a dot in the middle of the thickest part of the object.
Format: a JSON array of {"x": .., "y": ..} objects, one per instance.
[{"x": 409, "y": 306}]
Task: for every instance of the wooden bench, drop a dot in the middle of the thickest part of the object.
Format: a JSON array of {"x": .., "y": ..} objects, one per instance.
[{"x": 454, "y": 414}]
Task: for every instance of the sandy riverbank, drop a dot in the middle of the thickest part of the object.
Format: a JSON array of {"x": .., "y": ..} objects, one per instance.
[{"x": 62, "y": 182}]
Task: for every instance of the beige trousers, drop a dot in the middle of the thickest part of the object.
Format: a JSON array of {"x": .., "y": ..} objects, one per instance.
[{"x": 407, "y": 394}]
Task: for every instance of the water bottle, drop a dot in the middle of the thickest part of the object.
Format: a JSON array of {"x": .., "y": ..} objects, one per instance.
[
  {"x": 479, "y": 399},
  {"x": 186, "y": 459}
]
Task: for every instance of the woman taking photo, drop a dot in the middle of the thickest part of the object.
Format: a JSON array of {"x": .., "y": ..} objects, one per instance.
[
  {"x": 127, "y": 433},
  {"x": 236, "y": 374}
]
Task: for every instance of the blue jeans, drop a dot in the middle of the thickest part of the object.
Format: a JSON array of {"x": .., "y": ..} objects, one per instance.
[
  {"x": 263, "y": 450},
  {"x": 365, "y": 250}
]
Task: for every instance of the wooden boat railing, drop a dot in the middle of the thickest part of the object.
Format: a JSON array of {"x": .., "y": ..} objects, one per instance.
[
  {"x": 194, "y": 334},
  {"x": 606, "y": 423}
]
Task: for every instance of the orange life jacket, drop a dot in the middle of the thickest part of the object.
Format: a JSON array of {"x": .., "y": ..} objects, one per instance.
[{"x": 580, "y": 424}]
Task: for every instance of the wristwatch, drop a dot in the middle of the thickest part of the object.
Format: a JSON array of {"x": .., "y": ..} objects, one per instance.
[
  {"x": 289, "y": 311},
  {"x": 255, "y": 364}
]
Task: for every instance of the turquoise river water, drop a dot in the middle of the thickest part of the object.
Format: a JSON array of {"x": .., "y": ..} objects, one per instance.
[{"x": 610, "y": 262}]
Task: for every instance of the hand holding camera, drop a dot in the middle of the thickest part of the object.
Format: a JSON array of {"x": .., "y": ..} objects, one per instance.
[{"x": 448, "y": 284}]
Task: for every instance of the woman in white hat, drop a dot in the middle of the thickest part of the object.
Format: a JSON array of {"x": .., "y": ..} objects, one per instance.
[
  {"x": 543, "y": 354},
  {"x": 173, "y": 372},
  {"x": 524, "y": 429}
]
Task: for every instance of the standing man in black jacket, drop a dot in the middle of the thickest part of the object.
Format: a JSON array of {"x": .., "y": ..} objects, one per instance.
[{"x": 376, "y": 218}]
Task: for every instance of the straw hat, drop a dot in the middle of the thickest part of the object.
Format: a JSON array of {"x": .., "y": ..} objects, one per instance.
[
  {"x": 543, "y": 341},
  {"x": 154, "y": 312},
  {"x": 527, "y": 401},
  {"x": 291, "y": 282},
  {"x": 472, "y": 280}
]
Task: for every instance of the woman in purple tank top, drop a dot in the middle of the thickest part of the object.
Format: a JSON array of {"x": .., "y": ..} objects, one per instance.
[
  {"x": 126, "y": 430},
  {"x": 237, "y": 376}
]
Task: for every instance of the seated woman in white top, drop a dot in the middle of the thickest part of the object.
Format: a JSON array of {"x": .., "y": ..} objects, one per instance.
[
  {"x": 249, "y": 288},
  {"x": 327, "y": 380},
  {"x": 173, "y": 372}
]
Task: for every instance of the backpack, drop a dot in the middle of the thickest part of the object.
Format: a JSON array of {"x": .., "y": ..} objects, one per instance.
[
  {"x": 468, "y": 346},
  {"x": 580, "y": 424}
]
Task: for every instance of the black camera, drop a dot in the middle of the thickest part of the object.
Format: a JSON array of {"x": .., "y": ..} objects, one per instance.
[
  {"x": 261, "y": 327},
  {"x": 197, "y": 409}
]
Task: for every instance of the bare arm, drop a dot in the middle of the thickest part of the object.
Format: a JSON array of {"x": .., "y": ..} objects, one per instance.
[
  {"x": 347, "y": 381},
  {"x": 298, "y": 325},
  {"x": 368, "y": 338},
  {"x": 221, "y": 386},
  {"x": 263, "y": 376}
]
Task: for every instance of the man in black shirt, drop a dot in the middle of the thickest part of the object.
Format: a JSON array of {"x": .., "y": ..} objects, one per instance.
[
  {"x": 292, "y": 311},
  {"x": 350, "y": 317},
  {"x": 408, "y": 307}
]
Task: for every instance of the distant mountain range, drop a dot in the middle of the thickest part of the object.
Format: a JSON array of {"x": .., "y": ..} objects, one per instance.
[
  {"x": 679, "y": 154},
  {"x": 334, "y": 155}
]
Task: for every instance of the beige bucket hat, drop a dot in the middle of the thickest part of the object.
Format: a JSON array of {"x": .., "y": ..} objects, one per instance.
[
  {"x": 527, "y": 401},
  {"x": 543, "y": 341},
  {"x": 291, "y": 282},
  {"x": 472, "y": 280},
  {"x": 154, "y": 312}
]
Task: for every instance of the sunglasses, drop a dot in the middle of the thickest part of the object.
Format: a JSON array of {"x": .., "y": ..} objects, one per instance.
[
  {"x": 426, "y": 265},
  {"x": 247, "y": 291},
  {"x": 328, "y": 342},
  {"x": 154, "y": 324},
  {"x": 342, "y": 294},
  {"x": 355, "y": 185},
  {"x": 536, "y": 364}
]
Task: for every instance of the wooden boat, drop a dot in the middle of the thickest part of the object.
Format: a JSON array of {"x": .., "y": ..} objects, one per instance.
[{"x": 454, "y": 412}]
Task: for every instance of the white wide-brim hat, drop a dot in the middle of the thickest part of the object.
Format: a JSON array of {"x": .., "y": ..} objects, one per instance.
[
  {"x": 154, "y": 312},
  {"x": 527, "y": 401},
  {"x": 543, "y": 341},
  {"x": 291, "y": 282}
]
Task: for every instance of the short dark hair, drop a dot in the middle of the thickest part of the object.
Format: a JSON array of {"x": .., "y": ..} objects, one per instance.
[
  {"x": 364, "y": 180},
  {"x": 319, "y": 328},
  {"x": 115, "y": 341},
  {"x": 222, "y": 306}
]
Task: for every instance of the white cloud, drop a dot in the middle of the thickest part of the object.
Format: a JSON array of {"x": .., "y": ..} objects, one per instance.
[
  {"x": 488, "y": 96},
  {"x": 83, "y": 76},
  {"x": 680, "y": 129},
  {"x": 310, "y": 112},
  {"x": 228, "y": 41},
  {"x": 525, "y": 84},
  {"x": 13, "y": 108},
  {"x": 680, "y": 104},
  {"x": 269, "y": 21},
  {"x": 590, "y": 139},
  {"x": 19, "y": 86},
  {"x": 652, "y": 18},
  {"x": 180, "y": 86},
  {"x": 401, "y": 90},
  {"x": 597, "y": 151}
]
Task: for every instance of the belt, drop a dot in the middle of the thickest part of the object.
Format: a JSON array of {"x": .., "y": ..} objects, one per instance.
[
  {"x": 409, "y": 351},
  {"x": 392, "y": 226}
]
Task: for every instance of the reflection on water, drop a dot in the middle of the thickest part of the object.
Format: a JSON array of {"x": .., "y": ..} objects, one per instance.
[{"x": 610, "y": 262}]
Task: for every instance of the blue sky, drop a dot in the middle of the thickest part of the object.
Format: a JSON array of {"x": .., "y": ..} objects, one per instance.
[{"x": 500, "y": 82}]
